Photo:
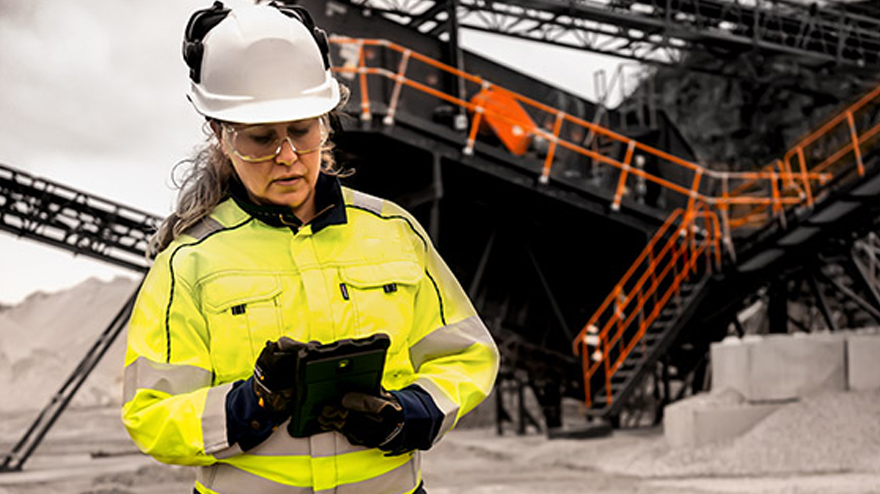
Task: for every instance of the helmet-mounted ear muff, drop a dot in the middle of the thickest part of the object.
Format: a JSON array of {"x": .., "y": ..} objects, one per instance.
[
  {"x": 197, "y": 28},
  {"x": 202, "y": 21}
]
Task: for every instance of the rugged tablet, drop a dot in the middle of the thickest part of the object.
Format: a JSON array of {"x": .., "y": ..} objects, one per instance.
[{"x": 328, "y": 371}]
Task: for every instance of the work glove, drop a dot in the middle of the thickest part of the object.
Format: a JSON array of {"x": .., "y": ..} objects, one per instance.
[
  {"x": 365, "y": 419},
  {"x": 275, "y": 375}
]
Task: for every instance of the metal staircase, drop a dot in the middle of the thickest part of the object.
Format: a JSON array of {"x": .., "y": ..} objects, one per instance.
[
  {"x": 804, "y": 216},
  {"x": 648, "y": 308}
]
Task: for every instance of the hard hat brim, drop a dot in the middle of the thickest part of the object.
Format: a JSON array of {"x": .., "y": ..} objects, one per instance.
[{"x": 278, "y": 110}]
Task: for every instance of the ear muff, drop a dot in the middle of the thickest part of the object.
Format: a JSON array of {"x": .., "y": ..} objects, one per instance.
[
  {"x": 197, "y": 28},
  {"x": 301, "y": 14}
]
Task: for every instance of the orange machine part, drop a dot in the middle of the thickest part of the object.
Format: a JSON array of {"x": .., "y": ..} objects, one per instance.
[{"x": 506, "y": 119}]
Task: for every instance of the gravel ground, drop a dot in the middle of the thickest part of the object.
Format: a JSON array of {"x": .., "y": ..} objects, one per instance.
[
  {"x": 828, "y": 444},
  {"x": 827, "y": 433}
]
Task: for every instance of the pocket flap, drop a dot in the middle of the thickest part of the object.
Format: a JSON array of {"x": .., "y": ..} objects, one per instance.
[
  {"x": 376, "y": 275},
  {"x": 222, "y": 293}
]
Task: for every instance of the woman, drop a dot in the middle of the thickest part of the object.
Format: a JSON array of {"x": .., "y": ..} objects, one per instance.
[{"x": 266, "y": 251}]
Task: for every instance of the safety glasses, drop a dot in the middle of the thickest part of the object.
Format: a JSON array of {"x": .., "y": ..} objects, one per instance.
[{"x": 254, "y": 143}]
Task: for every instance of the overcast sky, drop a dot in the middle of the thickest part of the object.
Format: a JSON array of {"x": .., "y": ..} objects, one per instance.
[{"x": 92, "y": 96}]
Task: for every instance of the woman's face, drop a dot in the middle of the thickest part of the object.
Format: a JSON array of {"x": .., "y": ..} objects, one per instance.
[{"x": 287, "y": 178}]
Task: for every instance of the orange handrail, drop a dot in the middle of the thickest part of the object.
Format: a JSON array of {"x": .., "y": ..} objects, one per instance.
[
  {"x": 798, "y": 183},
  {"x": 691, "y": 191}
]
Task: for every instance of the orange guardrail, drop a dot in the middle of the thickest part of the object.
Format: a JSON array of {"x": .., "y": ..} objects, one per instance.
[
  {"x": 833, "y": 151},
  {"x": 718, "y": 202},
  {"x": 669, "y": 259},
  {"x": 701, "y": 179}
]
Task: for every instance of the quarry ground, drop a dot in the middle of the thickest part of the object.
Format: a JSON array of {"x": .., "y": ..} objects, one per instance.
[
  {"x": 88, "y": 452},
  {"x": 824, "y": 444}
]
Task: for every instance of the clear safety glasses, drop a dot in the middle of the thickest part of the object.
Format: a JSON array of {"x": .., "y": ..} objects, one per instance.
[{"x": 254, "y": 143}]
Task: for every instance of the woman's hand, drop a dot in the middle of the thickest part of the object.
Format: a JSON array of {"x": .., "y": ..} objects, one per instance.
[
  {"x": 275, "y": 375},
  {"x": 366, "y": 420}
]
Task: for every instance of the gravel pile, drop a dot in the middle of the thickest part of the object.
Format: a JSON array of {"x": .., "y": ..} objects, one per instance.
[
  {"x": 43, "y": 339},
  {"x": 827, "y": 433}
]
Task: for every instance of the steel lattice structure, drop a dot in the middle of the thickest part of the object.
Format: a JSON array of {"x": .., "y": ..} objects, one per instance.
[
  {"x": 52, "y": 213},
  {"x": 82, "y": 223},
  {"x": 663, "y": 31}
]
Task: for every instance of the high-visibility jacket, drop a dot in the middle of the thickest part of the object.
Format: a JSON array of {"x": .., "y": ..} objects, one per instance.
[{"x": 214, "y": 297}]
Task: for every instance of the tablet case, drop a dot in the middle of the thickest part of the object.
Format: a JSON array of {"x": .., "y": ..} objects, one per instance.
[{"x": 328, "y": 371}]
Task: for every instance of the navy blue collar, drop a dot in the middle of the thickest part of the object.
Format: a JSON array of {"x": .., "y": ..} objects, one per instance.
[{"x": 329, "y": 206}]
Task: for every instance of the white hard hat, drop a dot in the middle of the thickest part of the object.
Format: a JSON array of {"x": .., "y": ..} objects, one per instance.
[{"x": 260, "y": 64}]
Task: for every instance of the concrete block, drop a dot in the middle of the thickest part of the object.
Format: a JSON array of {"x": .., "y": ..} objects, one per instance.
[
  {"x": 781, "y": 367},
  {"x": 711, "y": 417},
  {"x": 789, "y": 367},
  {"x": 863, "y": 362},
  {"x": 730, "y": 364}
]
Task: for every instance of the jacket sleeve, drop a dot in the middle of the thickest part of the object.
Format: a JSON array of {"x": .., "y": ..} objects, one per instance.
[
  {"x": 452, "y": 352},
  {"x": 171, "y": 409}
]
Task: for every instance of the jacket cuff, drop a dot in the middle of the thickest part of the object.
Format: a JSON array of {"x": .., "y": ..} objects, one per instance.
[
  {"x": 421, "y": 420},
  {"x": 247, "y": 423}
]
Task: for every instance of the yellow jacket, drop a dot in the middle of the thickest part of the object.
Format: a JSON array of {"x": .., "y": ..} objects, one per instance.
[{"x": 215, "y": 296}]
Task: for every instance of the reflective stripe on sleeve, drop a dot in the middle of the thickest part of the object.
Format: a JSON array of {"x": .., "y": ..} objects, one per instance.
[
  {"x": 168, "y": 378},
  {"x": 449, "y": 340},
  {"x": 214, "y": 424},
  {"x": 448, "y": 407}
]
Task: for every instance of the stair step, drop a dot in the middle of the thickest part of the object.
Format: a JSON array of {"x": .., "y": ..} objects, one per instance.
[
  {"x": 659, "y": 326},
  {"x": 663, "y": 319},
  {"x": 601, "y": 397},
  {"x": 640, "y": 352},
  {"x": 630, "y": 366},
  {"x": 617, "y": 378},
  {"x": 668, "y": 312}
]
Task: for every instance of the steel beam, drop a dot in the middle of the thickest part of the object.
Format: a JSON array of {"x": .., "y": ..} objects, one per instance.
[
  {"x": 661, "y": 31},
  {"x": 821, "y": 300},
  {"x": 73, "y": 220}
]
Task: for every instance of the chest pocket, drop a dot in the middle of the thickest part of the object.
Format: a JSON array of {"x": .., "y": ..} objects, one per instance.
[
  {"x": 242, "y": 313},
  {"x": 382, "y": 296}
]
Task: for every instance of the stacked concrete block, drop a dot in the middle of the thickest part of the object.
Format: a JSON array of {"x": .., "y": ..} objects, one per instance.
[
  {"x": 781, "y": 367},
  {"x": 730, "y": 362},
  {"x": 863, "y": 361},
  {"x": 751, "y": 378}
]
